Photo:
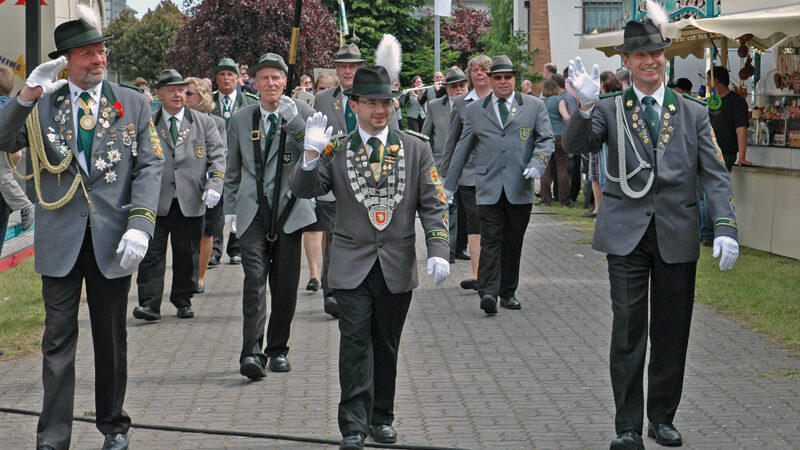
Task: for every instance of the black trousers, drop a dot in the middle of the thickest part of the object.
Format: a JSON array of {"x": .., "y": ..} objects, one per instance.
[
  {"x": 326, "y": 216},
  {"x": 503, "y": 228},
  {"x": 108, "y": 301},
  {"x": 280, "y": 260},
  {"x": 184, "y": 233},
  {"x": 371, "y": 321},
  {"x": 460, "y": 225},
  {"x": 232, "y": 248},
  {"x": 671, "y": 289}
]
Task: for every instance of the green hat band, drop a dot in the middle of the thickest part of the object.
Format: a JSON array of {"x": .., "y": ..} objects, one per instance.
[
  {"x": 79, "y": 39},
  {"x": 502, "y": 67},
  {"x": 455, "y": 79},
  {"x": 348, "y": 56},
  {"x": 641, "y": 41},
  {"x": 171, "y": 80}
]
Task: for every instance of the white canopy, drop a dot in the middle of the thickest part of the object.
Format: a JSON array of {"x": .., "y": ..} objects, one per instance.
[{"x": 690, "y": 36}]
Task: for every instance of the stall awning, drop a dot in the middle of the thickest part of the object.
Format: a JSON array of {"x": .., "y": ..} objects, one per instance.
[{"x": 690, "y": 36}]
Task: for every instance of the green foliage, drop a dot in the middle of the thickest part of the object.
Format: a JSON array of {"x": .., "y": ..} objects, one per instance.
[
  {"x": 139, "y": 47},
  {"x": 501, "y": 39},
  {"x": 21, "y": 310}
]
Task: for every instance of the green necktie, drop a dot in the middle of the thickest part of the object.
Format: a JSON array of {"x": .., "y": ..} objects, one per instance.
[
  {"x": 375, "y": 143},
  {"x": 85, "y": 137},
  {"x": 651, "y": 116},
  {"x": 501, "y": 105},
  {"x": 349, "y": 118},
  {"x": 273, "y": 124},
  {"x": 173, "y": 129}
]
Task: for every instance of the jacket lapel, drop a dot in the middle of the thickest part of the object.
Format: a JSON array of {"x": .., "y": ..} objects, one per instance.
[
  {"x": 186, "y": 126},
  {"x": 340, "y": 107},
  {"x": 515, "y": 111},
  {"x": 163, "y": 129},
  {"x": 63, "y": 135},
  {"x": 389, "y": 157},
  {"x": 635, "y": 117},
  {"x": 668, "y": 123},
  {"x": 360, "y": 158},
  {"x": 489, "y": 111},
  {"x": 107, "y": 115}
]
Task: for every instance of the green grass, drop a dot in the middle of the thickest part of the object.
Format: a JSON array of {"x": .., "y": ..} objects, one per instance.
[
  {"x": 762, "y": 291},
  {"x": 21, "y": 311}
]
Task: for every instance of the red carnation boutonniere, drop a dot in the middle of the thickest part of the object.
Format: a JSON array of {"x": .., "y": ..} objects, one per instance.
[{"x": 118, "y": 107}]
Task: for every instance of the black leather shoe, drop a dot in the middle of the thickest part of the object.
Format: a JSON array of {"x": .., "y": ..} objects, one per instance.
[
  {"x": 664, "y": 434},
  {"x": 200, "y": 289},
  {"x": 117, "y": 441},
  {"x": 252, "y": 367},
  {"x": 463, "y": 255},
  {"x": 353, "y": 441},
  {"x": 469, "y": 284},
  {"x": 628, "y": 440},
  {"x": 452, "y": 259},
  {"x": 331, "y": 307},
  {"x": 510, "y": 303},
  {"x": 185, "y": 312},
  {"x": 236, "y": 259},
  {"x": 279, "y": 363},
  {"x": 489, "y": 304},
  {"x": 146, "y": 312},
  {"x": 213, "y": 261},
  {"x": 312, "y": 285},
  {"x": 383, "y": 433}
]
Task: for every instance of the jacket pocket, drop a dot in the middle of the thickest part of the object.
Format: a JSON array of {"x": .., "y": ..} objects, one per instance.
[{"x": 479, "y": 170}]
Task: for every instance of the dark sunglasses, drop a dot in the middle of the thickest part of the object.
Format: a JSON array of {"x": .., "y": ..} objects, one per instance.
[
  {"x": 502, "y": 77},
  {"x": 190, "y": 93}
]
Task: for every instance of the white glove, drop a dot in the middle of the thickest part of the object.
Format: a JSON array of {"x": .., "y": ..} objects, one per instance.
[
  {"x": 44, "y": 73},
  {"x": 449, "y": 195},
  {"x": 729, "y": 249},
  {"x": 230, "y": 220},
  {"x": 439, "y": 268},
  {"x": 588, "y": 88},
  {"x": 287, "y": 108},
  {"x": 317, "y": 136},
  {"x": 211, "y": 197},
  {"x": 531, "y": 172},
  {"x": 133, "y": 247}
]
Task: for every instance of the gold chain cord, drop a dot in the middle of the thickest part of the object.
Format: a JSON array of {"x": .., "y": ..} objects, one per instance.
[{"x": 39, "y": 162}]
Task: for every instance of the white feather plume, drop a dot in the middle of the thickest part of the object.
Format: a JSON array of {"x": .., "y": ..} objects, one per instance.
[
  {"x": 656, "y": 13},
  {"x": 389, "y": 54},
  {"x": 91, "y": 16}
]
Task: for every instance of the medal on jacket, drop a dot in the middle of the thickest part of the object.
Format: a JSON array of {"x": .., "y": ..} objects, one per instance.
[
  {"x": 88, "y": 121},
  {"x": 379, "y": 202}
]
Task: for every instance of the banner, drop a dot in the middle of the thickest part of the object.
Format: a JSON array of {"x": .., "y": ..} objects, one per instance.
[
  {"x": 343, "y": 19},
  {"x": 442, "y": 8}
]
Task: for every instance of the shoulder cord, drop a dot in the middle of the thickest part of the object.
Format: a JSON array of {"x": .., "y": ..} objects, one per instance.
[
  {"x": 622, "y": 132},
  {"x": 39, "y": 162}
]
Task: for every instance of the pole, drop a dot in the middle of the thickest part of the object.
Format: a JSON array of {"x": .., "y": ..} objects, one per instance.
[
  {"x": 33, "y": 38},
  {"x": 437, "y": 45},
  {"x": 272, "y": 234}
]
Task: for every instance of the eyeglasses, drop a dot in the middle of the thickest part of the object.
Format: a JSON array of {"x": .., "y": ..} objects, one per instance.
[
  {"x": 376, "y": 103},
  {"x": 506, "y": 77},
  {"x": 190, "y": 93},
  {"x": 103, "y": 52}
]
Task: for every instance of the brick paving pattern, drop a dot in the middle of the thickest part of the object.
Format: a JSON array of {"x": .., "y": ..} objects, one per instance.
[{"x": 534, "y": 378}]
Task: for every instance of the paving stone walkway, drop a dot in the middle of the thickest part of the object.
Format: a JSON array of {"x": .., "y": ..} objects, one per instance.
[{"x": 535, "y": 378}]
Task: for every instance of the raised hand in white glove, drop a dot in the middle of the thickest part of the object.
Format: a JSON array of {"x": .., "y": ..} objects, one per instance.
[
  {"x": 43, "y": 75},
  {"x": 230, "y": 221},
  {"x": 439, "y": 268},
  {"x": 587, "y": 87},
  {"x": 531, "y": 172},
  {"x": 132, "y": 247},
  {"x": 287, "y": 108},
  {"x": 449, "y": 195},
  {"x": 317, "y": 136},
  {"x": 211, "y": 198},
  {"x": 729, "y": 248}
]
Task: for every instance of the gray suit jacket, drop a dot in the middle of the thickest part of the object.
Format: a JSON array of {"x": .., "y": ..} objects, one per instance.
[
  {"x": 453, "y": 135},
  {"x": 436, "y": 127},
  {"x": 331, "y": 103},
  {"x": 242, "y": 99},
  {"x": 685, "y": 151},
  {"x": 196, "y": 162},
  {"x": 356, "y": 242},
  {"x": 503, "y": 152},
  {"x": 122, "y": 185},
  {"x": 241, "y": 195}
]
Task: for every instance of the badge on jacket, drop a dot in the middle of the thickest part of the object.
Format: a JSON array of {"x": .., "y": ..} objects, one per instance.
[
  {"x": 524, "y": 133},
  {"x": 200, "y": 151}
]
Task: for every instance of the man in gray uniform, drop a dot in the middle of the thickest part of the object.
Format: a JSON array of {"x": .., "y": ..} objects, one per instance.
[
  {"x": 436, "y": 128},
  {"x": 194, "y": 170},
  {"x": 228, "y": 98},
  {"x": 382, "y": 179},
  {"x": 250, "y": 183},
  {"x": 98, "y": 231},
  {"x": 648, "y": 224},
  {"x": 512, "y": 138}
]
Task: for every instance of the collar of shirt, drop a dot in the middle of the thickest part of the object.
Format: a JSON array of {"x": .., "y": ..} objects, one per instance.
[
  {"x": 658, "y": 95},
  {"x": 94, "y": 92},
  {"x": 178, "y": 115},
  {"x": 509, "y": 99},
  {"x": 472, "y": 95},
  {"x": 450, "y": 102},
  {"x": 265, "y": 117},
  {"x": 231, "y": 96},
  {"x": 383, "y": 136}
]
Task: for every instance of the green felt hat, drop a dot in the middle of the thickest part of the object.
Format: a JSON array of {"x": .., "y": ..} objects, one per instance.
[{"x": 73, "y": 34}]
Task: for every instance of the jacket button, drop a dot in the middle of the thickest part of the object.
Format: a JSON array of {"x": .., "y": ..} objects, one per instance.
[
  {"x": 504, "y": 167},
  {"x": 503, "y": 151},
  {"x": 504, "y": 133},
  {"x": 649, "y": 213},
  {"x": 83, "y": 214},
  {"x": 656, "y": 191},
  {"x": 89, "y": 188},
  {"x": 380, "y": 244}
]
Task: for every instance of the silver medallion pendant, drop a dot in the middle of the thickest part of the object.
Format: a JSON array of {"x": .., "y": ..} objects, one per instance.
[
  {"x": 87, "y": 122},
  {"x": 380, "y": 216}
]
